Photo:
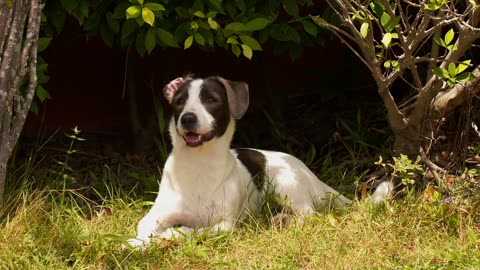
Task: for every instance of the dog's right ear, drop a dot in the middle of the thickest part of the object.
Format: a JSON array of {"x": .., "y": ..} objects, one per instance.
[
  {"x": 237, "y": 94},
  {"x": 172, "y": 87}
]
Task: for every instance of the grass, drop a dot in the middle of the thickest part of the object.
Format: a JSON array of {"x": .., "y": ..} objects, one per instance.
[
  {"x": 50, "y": 229},
  {"x": 53, "y": 225}
]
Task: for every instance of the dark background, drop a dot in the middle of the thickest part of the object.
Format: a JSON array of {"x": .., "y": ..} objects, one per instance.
[{"x": 305, "y": 98}]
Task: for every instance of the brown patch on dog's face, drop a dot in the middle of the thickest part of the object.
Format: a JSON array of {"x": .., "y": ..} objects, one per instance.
[{"x": 215, "y": 100}]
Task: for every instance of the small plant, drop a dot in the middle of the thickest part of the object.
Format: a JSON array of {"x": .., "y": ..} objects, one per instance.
[
  {"x": 64, "y": 172},
  {"x": 405, "y": 169}
]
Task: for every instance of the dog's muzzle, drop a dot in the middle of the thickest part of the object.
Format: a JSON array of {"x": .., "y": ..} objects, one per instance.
[{"x": 189, "y": 123}]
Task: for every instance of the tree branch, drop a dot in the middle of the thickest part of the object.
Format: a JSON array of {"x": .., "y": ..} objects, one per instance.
[{"x": 448, "y": 100}]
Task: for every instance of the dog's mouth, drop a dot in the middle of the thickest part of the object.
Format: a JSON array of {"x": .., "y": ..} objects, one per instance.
[{"x": 194, "y": 139}]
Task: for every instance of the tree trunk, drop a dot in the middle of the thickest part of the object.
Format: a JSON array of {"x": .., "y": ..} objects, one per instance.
[
  {"x": 415, "y": 139},
  {"x": 19, "y": 30}
]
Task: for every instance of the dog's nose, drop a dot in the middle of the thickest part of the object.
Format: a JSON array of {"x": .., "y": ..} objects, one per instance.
[{"x": 189, "y": 120}]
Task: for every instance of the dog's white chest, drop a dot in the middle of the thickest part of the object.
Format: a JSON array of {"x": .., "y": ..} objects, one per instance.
[{"x": 198, "y": 194}]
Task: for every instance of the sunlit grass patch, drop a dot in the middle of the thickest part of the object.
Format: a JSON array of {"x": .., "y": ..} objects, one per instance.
[{"x": 51, "y": 230}]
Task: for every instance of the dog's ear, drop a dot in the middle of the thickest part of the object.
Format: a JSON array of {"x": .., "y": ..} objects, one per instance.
[
  {"x": 237, "y": 93},
  {"x": 172, "y": 87}
]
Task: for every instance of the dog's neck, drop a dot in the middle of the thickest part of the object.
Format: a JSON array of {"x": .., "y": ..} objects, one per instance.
[{"x": 210, "y": 162}]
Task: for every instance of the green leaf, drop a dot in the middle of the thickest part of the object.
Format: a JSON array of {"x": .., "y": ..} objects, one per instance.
[
  {"x": 182, "y": 12},
  {"x": 112, "y": 23},
  {"x": 250, "y": 42},
  {"x": 465, "y": 77},
  {"x": 319, "y": 20},
  {"x": 167, "y": 38},
  {"x": 221, "y": 40},
  {"x": 34, "y": 107},
  {"x": 213, "y": 24},
  {"x": 235, "y": 27},
  {"x": 199, "y": 14},
  {"x": 42, "y": 73},
  {"x": 154, "y": 6},
  {"x": 232, "y": 40},
  {"x": 284, "y": 32},
  {"x": 378, "y": 9},
  {"x": 150, "y": 40},
  {"x": 452, "y": 47},
  {"x": 358, "y": 15},
  {"x": 364, "y": 29},
  {"x": 198, "y": 5},
  {"x": 387, "y": 39},
  {"x": 236, "y": 50},
  {"x": 140, "y": 43},
  {"x": 247, "y": 51},
  {"x": 211, "y": 14},
  {"x": 241, "y": 5},
  {"x": 231, "y": 8},
  {"x": 291, "y": 7},
  {"x": 188, "y": 42},
  {"x": 69, "y": 5},
  {"x": 449, "y": 36},
  {"x": 42, "y": 93},
  {"x": 431, "y": 6},
  {"x": 148, "y": 16},
  {"x": 385, "y": 19},
  {"x": 392, "y": 24},
  {"x": 43, "y": 43},
  {"x": 120, "y": 10},
  {"x": 310, "y": 27},
  {"x": 441, "y": 72},
  {"x": 440, "y": 41},
  {"x": 194, "y": 25},
  {"x": 128, "y": 28},
  {"x": 256, "y": 24},
  {"x": 199, "y": 39},
  {"x": 133, "y": 12},
  {"x": 451, "y": 82},
  {"x": 452, "y": 69},
  {"x": 462, "y": 66},
  {"x": 139, "y": 21}
]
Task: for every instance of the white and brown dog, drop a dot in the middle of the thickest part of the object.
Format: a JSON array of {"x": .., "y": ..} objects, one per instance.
[{"x": 207, "y": 185}]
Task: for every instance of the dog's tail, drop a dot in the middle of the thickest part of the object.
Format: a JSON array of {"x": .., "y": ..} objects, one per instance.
[{"x": 383, "y": 191}]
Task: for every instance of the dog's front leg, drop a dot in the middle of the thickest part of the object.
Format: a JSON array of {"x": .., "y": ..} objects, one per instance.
[
  {"x": 153, "y": 224},
  {"x": 183, "y": 231}
]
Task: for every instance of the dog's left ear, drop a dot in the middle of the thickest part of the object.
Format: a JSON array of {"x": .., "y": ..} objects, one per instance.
[
  {"x": 237, "y": 93},
  {"x": 172, "y": 87}
]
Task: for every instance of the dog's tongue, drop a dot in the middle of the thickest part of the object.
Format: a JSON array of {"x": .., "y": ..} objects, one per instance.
[{"x": 191, "y": 137}]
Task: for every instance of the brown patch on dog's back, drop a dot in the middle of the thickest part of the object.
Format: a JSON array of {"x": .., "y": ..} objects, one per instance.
[{"x": 255, "y": 162}]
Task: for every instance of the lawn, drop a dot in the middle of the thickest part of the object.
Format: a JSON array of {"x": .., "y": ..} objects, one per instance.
[{"x": 61, "y": 229}]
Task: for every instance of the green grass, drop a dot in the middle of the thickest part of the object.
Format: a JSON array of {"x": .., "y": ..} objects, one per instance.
[
  {"x": 46, "y": 224},
  {"x": 63, "y": 230}
]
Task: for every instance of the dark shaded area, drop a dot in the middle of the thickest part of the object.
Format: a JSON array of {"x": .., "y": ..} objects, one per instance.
[{"x": 303, "y": 97}]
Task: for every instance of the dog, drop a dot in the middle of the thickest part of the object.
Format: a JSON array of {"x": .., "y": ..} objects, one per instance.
[{"x": 206, "y": 185}]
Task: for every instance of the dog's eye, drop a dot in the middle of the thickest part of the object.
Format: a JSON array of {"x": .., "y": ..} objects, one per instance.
[
  {"x": 211, "y": 100},
  {"x": 180, "y": 101}
]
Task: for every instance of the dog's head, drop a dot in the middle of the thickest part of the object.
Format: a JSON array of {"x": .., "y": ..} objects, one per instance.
[{"x": 203, "y": 108}]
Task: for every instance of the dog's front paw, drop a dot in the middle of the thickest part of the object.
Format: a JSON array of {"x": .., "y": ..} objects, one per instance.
[
  {"x": 172, "y": 233},
  {"x": 135, "y": 243}
]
